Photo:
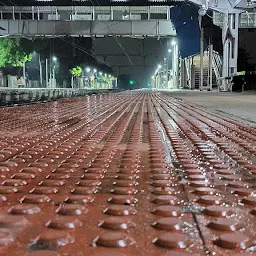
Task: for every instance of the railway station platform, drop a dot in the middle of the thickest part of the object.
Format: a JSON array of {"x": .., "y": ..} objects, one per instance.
[{"x": 136, "y": 173}]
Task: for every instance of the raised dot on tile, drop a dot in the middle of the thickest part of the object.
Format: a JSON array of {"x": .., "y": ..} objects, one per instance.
[
  {"x": 164, "y": 191},
  {"x": 210, "y": 200},
  {"x": 170, "y": 224},
  {"x": 223, "y": 224},
  {"x": 5, "y": 238},
  {"x": 167, "y": 211},
  {"x": 72, "y": 209},
  {"x": 12, "y": 221},
  {"x": 218, "y": 211},
  {"x": 64, "y": 222},
  {"x": 235, "y": 241},
  {"x": 79, "y": 199},
  {"x": 84, "y": 190},
  {"x": 173, "y": 241},
  {"x": 35, "y": 199},
  {"x": 165, "y": 199},
  {"x": 250, "y": 201},
  {"x": 123, "y": 199},
  {"x": 24, "y": 209},
  {"x": 124, "y": 191},
  {"x": 52, "y": 239},
  {"x": 120, "y": 210},
  {"x": 117, "y": 223},
  {"x": 243, "y": 192},
  {"x": 44, "y": 190},
  {"x": 14, "y": 182},
  {"x": 8, "y": 189},
  {"x": 205, "y": 191},
  {"x": 113, "y": 239}
]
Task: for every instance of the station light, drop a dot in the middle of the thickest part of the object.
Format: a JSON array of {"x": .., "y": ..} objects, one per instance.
[
  {"x": 100, "y": 73},
  {"x": 169, "y": 50},
  {"x": 54, "y": 58},
  {"x": 159, "y": 66},
  {"x": 95, "y": 70},
  {"x": 174, "y": 42},
  {"x": 88, "y": 70}
]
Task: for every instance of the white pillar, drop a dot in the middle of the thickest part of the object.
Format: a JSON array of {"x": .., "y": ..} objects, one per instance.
[
  {"x": 24, "y": 73},
  {"x": 193, "y": 77},
  {"x": 201, "y": 60},
  {"x": 234, "y": 43},
  {"x": 165, "y": 73},
  {"x": 72, "y": 82},
  {"x": 175, "y": 65},
  {"x": 46, "y": 73},
  {"x": 210, "y": 66},
  {"x": 230, "y": 44},
  {"x": 40, "y": 70},
  {"x": 53, "y": 78}
]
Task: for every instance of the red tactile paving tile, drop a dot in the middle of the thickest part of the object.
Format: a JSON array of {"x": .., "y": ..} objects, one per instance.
[{"x": 125, "y": 174}]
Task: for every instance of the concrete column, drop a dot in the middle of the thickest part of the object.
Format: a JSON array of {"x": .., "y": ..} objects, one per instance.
[
  {"x": 234, "y": 42},
  {"x": 165, "y": 74},
  {"x": 193, "y": 83},
  {"x": 183, "y": 74},
  {"x": 201, "y": 60},
  {"x": 46, "y": 73},
  {"x": 230, "y": 44},
  {"x": 210, "y": 66}
]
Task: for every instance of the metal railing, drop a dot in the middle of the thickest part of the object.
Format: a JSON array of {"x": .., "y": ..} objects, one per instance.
[
  {"x": 217, "y": 64},
  {"x": 188, "y": 71},
  {"x": 247, "y": 19}
]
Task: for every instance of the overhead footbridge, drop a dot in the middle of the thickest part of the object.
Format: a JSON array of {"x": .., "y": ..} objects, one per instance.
[{"x": 87, "y": 21}]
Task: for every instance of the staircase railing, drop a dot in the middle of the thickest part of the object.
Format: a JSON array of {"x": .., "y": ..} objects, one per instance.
[{"x": 217, "y": 64}]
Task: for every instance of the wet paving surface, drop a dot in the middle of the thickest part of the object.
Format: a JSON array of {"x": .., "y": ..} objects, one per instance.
[{"x": 138, "y": 173}]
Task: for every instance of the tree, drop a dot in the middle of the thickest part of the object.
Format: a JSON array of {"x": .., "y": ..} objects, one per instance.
[
  {"x": 76, "y": 71},
  {"x": 11, "y": 54}
]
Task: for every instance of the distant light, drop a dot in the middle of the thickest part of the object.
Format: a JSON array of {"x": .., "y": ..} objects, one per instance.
[
  {"x": 109, "y": 75},
  {"x": 174, "y": 42},
  {"x": 100, "y": 73},
  {"x": 95, "y": 70},
  {"x": 159, "y": 66},
  {"x": 131, "y": 82},
  {"x": 88, "y": 70},
  {"x": 169, "y": 50},
  {"x": 153, "y": 77},
  {"x": 54, "y": 58}
]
